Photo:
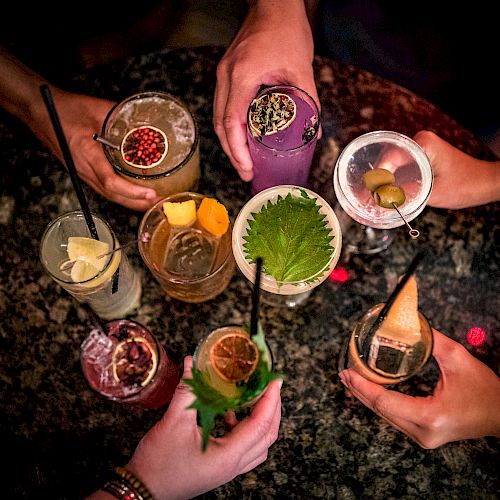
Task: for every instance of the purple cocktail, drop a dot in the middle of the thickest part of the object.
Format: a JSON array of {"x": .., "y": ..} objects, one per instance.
[{"x": 282, "y": 130}]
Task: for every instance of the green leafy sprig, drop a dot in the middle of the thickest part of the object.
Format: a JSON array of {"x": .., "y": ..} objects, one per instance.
[
  {"x": 292, "y": 238},
  {"x": 210, "y": 403}
]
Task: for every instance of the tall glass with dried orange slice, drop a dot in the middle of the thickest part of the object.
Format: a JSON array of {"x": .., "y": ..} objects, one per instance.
[
  {"x": 399, "y": 347},
  {"x": 189, "y": 251},
  {"x": 231, "y": 370},
  {"x": 156, "y": 142},
  {"x": 127, "y": 364},
  {"x": 90, "y": 269},
  {"x": 282, "y": 130}
]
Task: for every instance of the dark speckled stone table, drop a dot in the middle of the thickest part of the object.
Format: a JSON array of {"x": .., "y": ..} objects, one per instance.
[{"x": 60, "y": 439}]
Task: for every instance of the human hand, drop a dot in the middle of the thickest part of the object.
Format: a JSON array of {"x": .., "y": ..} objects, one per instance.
[
  {"x": 271, "y": 47},
  {"x": 460, "y": 181},
  {"x": 81, "y": 116},
  {"x": 465, "y": 403},
  {"x": 169, "y": 459}
]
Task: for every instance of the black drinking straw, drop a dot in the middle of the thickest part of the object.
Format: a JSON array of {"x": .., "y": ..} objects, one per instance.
[
  {"x": 49, "y": 103},
  {"x": 254, "y": 319},
  {"x": 383, "y": 313}
]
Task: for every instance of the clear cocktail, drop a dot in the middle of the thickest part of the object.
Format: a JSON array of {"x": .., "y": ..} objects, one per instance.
[
  {"x": 407, "y": 168},
  {"x": 189, "y": 251},
  {"x": 86, "y": 269},
  {"x": 157, "y": 142},
  {"x": 127, "y": 364},
  {"x": 297, "y": 235},
  {"x": 282, "y": 131}
]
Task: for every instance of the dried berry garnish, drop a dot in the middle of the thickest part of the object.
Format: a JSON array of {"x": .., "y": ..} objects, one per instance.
[
  {"x": 271, "y": 113},
  {"x": 134, "y": 362},
  {"x": 144, "y": 147}
]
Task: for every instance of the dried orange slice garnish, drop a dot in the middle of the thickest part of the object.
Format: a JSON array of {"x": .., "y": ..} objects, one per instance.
[
  {"x": 271, "y": 113},
  {"x": 234, "y": 357},
  {"x": 134, "y": 362},
  {"x": 213, "y": 216}
]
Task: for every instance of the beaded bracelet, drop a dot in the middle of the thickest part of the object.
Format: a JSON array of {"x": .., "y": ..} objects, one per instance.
[
  {"x": 122, "y": 490},
  {"x": 133, "y": 483}
]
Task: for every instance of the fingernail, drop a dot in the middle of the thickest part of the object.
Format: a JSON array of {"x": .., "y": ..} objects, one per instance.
[
  {"x": 280, "y": 383},
  {"x": 344, "y": 378},
  {"x": 150, "y": 195}
]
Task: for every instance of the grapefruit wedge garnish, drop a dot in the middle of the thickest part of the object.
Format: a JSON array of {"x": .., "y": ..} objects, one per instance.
[{"x": 402, "y": 323}]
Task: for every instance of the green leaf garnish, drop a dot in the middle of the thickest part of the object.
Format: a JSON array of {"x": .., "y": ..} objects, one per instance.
[
  {"x": 211, "y": 403},
  {"x": 292, "y": 238}
]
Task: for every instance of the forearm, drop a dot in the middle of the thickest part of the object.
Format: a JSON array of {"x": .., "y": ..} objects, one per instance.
[
  {"x": 488, "y": 182},
  {"x": 281, "y": 12},
  {"x": 19, "y": 87}
]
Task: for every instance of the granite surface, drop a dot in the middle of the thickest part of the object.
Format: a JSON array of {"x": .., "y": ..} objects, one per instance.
[{"x": 61, "y": 439}]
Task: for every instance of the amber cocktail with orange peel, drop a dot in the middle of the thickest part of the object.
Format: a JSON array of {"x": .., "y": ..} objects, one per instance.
[
  {"x": 231, "y": 371},
  {"x": 189, "y": 251},
  {"x": 399, "y": 348}
]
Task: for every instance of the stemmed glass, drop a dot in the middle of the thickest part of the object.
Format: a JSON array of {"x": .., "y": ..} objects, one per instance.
[
  {"x": 412, "y": 173},
  {"x": 284, "y": 292}
]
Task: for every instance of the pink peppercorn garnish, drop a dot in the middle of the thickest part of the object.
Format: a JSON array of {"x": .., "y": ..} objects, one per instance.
[{"x": 144, "y": 147}]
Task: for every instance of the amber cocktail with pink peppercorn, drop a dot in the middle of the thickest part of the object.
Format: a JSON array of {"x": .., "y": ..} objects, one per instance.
[{"x": 151, "y": 138}]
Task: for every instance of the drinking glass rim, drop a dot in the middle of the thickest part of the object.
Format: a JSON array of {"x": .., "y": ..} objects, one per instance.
[
  {"x": 318, "y": 114},
  {"x": 397, "y": 378},
  {"x": 395, "y": 138},
  {"x": 159, "y": 206},
  {"x": 66, "y": 215},
  {"x": 173, "y": 170},
  {"x": 259, "y": 200}
]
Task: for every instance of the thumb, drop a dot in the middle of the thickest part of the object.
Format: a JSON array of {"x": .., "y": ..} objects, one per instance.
[{"x": 183, "y": 396}]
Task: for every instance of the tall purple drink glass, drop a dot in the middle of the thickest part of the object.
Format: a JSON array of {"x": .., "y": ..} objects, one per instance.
[{"x": 284, "y": 156}]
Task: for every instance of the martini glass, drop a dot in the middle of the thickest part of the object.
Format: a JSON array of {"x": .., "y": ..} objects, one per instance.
[
  {"x": 412, "y": 172},
  {"x": 275, "y": 292}
]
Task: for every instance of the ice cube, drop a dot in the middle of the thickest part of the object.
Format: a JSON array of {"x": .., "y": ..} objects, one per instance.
[
  {"x": 390, "y": 356},
  {"x": 97, "y": 347},
  {"x": 191, "y": 253}
]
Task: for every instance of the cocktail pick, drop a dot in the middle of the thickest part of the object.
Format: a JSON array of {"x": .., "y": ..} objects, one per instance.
[
  {"x": 49, "y": 103},
  {"x": 383, "y": 313},
  {"x": 104, "y": 141},
  {"x": 254, "y": 318},
  {"x": 95, "y": 319},
  {"x": 414, "y": 233}
]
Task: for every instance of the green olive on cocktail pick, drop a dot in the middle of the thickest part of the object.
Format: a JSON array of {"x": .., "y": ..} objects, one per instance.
[
  {"x": 377, "y": 177},
  {"x": 389, "y": 195}
]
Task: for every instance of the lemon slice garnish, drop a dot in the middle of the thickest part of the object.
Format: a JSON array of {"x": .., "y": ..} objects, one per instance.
[
  {"x": 83, "y": 271},
  {"x": 87, "y": 250}
]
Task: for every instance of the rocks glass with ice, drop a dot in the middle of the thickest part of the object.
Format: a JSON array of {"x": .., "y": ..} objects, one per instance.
[
  {"x": 127, "y": 364},
  {"x": 191, "y": 263}
]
